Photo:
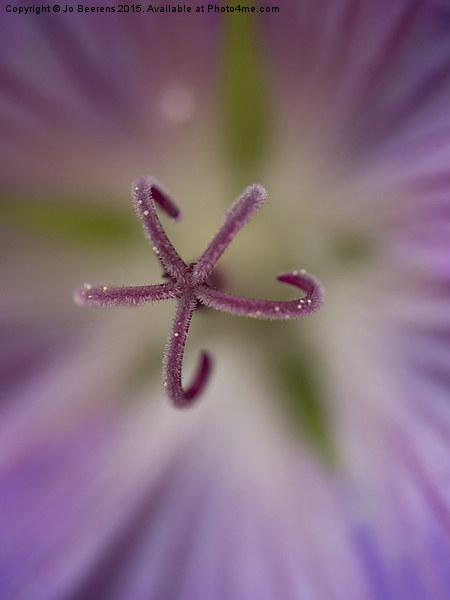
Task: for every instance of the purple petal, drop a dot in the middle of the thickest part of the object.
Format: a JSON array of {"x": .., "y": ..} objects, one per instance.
[
  {"x": 76, "y": 91},
  {"x": 269, "y": 309},
  {"x": 237, "y": 216},
  {"x": 88, "y": 295},
  {"x": 173, "y": 358},
  {"x": 142, "y": 191},
  {"x": 355, "y": 73}
]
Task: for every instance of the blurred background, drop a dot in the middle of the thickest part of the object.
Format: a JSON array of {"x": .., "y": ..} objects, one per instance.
[{"x": 315, "y": 465}]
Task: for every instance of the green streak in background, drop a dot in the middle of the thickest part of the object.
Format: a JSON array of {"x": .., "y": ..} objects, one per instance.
[
  {"x": 246, "y": 103},
  {"x": 305, "y": 406},
  {"x": 294, "y": 376},
  {"x": 351, "y": 249},
  {"x": 70, "y": 222}
]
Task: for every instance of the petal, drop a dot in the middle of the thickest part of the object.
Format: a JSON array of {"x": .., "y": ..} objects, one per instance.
[
  {"x": 92, "y": 102},
  {"x": 350, "y": 76}
]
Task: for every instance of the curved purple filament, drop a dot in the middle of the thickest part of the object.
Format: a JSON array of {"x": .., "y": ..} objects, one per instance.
[
  {"x": 146, "y": 193},
  {"x": 235, "y": 218},
  {"x": 88, "y": 295},
  {"x": 165, "y": 203},
  {"x": 269, "y": 309},
  {"x": 201, "y": 377},
  {"x": 173, "y": 358}
]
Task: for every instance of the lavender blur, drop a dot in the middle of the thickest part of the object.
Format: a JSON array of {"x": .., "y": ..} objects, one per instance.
[{"x": 189, "y": 283}]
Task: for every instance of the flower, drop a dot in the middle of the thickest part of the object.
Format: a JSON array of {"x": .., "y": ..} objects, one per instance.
[
  {"x": 188, "y": 283},
  {"x": 317, "y": 464}
]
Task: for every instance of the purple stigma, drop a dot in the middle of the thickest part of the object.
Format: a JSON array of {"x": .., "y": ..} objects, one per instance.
[{"x": 191, "y": 284}]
